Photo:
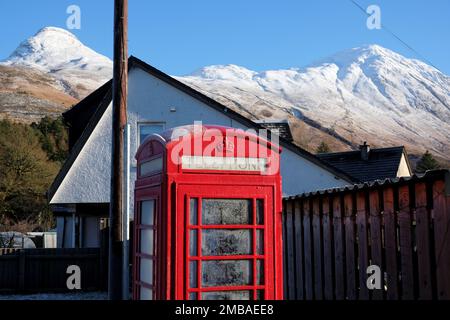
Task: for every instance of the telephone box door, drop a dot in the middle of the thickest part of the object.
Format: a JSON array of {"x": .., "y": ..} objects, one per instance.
[
  {"x": 146, "y": 262},
  {"x": 229, "y": 240}
]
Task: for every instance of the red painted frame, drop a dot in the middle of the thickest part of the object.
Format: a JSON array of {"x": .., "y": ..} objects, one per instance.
[
  {"x": 229, "y": 192},
  {"x": 173, "y": 186},
  {"x": 151, "y": 194}
]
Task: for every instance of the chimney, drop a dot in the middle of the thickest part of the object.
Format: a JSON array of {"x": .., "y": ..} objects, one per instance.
[{"x": 365, "y": 150}]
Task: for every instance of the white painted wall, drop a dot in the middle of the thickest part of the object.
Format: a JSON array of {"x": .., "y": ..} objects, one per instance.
[
  {"x": 151, "y": 100},
  {"x": 89, "y": 177},
  {"x": 403, "y": 169}
]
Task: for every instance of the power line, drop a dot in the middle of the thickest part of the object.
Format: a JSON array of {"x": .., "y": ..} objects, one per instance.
[{"x": 388, "y": 30}]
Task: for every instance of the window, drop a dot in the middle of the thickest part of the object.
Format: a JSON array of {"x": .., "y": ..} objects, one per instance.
[{"x": 147, "y": 129}]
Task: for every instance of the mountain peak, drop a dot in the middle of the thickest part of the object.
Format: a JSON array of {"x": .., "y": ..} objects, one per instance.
[
  {"x": 53, "y": 48},
  {"x": 59, "y": 53},
  {"x": 54, "y": 30},
  {"x": 360, "y": 55}
]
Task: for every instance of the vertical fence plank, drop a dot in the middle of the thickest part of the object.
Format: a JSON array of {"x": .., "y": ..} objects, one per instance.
[
  {"x": 423, "y": 242},
  {"x": 441, "y": 214},
  {"x": 376, "y": 247},
  {"x": 391, "y": 248},
  {"x": 406, "y": 249},
  {"x": 350, "y": 247},
  {"x": 328, "y": 254},
  {"x": 290, "y": 248},
  {"x": 285, "y": 254},
  {"x": 22, "y": 266},
  {"x": 299, "y": 254},
  {"x": 317, "y": 236},
  {"x": 339, "y": 248},
  {"x": 308, "y": 249},
  {"x": 363, "y": 246}
]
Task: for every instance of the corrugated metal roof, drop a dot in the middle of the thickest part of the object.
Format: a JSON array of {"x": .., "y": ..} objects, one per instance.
[{"x": 429, "y": 175}]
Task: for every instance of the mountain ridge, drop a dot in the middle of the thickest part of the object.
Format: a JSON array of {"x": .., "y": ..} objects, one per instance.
[
  {"x": 358, "y": 94},
  {"x": 368, "y": 93},
  {"x": 79, "y": 69}
]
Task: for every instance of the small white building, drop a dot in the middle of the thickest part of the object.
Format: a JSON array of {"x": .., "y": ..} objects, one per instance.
[{"x": 80, "y": 193}]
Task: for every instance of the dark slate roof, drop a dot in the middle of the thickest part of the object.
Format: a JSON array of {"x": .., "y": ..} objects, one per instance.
[
  {"x": 382, "y": 163},
  {"x": 101, "y": 98},
  {"x": 78, "y": 117},
  {"x": 432, "y": 175},
  {"x": 282, "y": 127}
]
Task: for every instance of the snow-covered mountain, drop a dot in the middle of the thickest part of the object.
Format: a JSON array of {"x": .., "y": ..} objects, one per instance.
[
  {"x": 364, "y": 94},
  {"x": 59, "y": 53}
]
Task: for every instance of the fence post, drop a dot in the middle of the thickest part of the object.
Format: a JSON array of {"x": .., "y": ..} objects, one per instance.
[
  {"x": 405, "y": 241},
  {"x": 391, "y": 248},
  {"x": 441, "y": 212},
  {"x": 376, "y": 246},
  {"x": 362, "y": 244},
  {"x": 350, "y": 247},
  {"x": 22, "y": 261},
  {"x": 328, "y": 254},
  {"x": 339, "y": 248},
  {"x": 423, "y": 242},
  {"x": 308, "y": 250},
  {"x": 317, "y": 247},
  {"x": 290, "y": 250},
  {"x": 299, "y": 254}
]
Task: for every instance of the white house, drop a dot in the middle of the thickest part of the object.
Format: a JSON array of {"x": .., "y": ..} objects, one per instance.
[{"x": 80, "y": 194}]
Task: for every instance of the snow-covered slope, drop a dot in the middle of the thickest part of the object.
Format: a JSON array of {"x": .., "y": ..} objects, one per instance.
[
  {"x": 363, "y": 94},
  {"x": 59, "y": 53}
]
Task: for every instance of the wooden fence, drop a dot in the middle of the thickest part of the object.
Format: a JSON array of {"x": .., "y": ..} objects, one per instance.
[
  {"x": 44, "y": 270},
  {"x": 401, "y": 225}
]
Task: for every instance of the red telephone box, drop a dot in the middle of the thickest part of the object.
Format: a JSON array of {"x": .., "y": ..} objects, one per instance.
[{"x": 208, "y": 216}]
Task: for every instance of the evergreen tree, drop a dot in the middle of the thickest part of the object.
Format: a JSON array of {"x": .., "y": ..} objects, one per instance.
[
  {"x": 323, "y": 148},
  {"x": 53, "y": 137},
  {"x": 427, "y": 162}
]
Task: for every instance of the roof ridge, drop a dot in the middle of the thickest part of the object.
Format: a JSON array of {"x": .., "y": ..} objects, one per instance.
[{"x": 132, "y": 62}]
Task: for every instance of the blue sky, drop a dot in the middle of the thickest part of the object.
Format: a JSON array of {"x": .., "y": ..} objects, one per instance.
[{"x": 180, "y": 36}]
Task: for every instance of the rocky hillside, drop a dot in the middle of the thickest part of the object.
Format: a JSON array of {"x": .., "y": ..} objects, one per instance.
[
  {"x": 368, "y": 93},
  {"x": 363, "y": 94},
  {"x": 47, "y": 74}
]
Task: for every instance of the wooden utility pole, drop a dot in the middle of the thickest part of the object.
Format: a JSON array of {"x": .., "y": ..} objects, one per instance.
[{"x": 120, "y": 93}]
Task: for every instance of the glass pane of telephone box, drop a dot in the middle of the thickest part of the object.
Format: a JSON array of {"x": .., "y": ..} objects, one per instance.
[
  {"x": 227, "y": 295},
  {"x": 226, "y": 211},
  {"x": 222, "y": 242},
  {"x": 193, "y": 274},
  {"x": 193, "y": 243},
  {"x": 193, "y": 204},
  {"x": 145, "y": 293},
  {"x": 260, "y": 212},
  {"x": 146, "y": 271},
  {"x": 260, "y": 272},
  {"x": 217, "y": 273},
  {"x": 260, "y": 295},
  {"x": 193, "y": 296},
  {"x": 148, "y": 212},
  {"x": 147, "y": 241},
  {"x": 260, "y": 242}
]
